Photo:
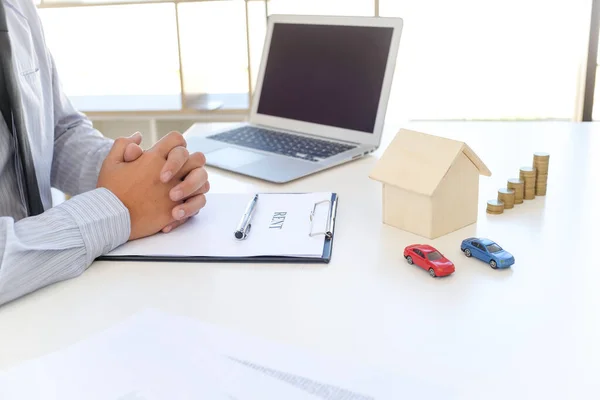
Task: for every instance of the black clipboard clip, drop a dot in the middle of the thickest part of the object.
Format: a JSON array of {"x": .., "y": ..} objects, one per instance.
[{"x": 328, "y": 232}]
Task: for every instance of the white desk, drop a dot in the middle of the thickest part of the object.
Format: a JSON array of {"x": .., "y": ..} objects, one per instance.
[{"x": 530, "y": 332}]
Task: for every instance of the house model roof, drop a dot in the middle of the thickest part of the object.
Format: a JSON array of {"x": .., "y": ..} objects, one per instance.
[{"x": 418, "y": 162}]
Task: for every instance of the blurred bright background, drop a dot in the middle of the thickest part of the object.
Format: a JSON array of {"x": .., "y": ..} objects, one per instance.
[{"x": 458, "y": 59}]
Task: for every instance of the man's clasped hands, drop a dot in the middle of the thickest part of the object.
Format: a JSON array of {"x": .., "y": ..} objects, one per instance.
[{"x": 162, "y": 187}]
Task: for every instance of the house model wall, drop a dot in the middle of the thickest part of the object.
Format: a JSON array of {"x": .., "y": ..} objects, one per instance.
[{"x": 430, "y": 184}]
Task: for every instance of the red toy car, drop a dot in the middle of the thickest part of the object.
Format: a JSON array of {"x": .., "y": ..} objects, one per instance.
[{"x": 429, "y": 259}]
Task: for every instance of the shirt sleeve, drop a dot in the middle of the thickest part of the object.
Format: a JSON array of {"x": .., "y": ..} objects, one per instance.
[
  {"x": 60, "y": 243},
  {"x": 79, "y": 149}
]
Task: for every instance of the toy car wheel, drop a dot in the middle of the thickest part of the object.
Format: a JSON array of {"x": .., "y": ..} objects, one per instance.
[
  {"x": 409, "y": 259},
  {"x": 431, "y": 272},
  {"x": 493, "y": 264},
  {"x": 468, "y": 253}
]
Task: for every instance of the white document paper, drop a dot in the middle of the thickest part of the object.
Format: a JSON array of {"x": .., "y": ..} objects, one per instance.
[
  {"x": 155, "y": 356},
  {"x": 280, "y": 227}
]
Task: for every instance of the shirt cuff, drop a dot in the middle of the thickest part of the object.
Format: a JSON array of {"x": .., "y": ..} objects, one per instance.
[{"x": 103, "y": 221}]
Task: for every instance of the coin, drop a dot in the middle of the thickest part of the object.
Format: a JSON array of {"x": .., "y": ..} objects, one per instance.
[
  {"x": 507, "y": 196},
  {"x": 541, "y": 162},
  {"x": 495, "y": 207},
  {"x": 519, "y": 187},
  {"x": 527, "y": 175}
]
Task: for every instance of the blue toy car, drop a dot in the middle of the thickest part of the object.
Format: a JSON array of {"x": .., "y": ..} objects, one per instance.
[{"x": 487, "y": 251}]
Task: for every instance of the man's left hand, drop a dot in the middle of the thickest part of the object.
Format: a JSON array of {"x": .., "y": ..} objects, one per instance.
[{"x": 193, "y": 187}]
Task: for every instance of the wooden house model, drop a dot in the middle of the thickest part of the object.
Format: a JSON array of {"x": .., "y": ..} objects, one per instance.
[{"x": 430, "y": 183}]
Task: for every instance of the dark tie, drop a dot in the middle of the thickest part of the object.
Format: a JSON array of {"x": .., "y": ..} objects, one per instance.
[{"x": 10, "y": 104}]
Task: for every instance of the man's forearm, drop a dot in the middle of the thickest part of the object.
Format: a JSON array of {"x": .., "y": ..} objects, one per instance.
[
  {"x": 60, "y": 243},
  {"x": 78, "y": 156},
  {"x": 79, "y": 149}
]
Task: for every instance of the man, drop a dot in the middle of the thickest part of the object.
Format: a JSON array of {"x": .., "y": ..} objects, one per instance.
[{"x": 120, "y": 192}]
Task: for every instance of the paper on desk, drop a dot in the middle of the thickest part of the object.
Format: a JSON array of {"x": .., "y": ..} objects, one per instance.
[
  {"x": 126, "y": 362},
  {"x": 280, "y": 227},
  {"x": 157, "y": 356}
]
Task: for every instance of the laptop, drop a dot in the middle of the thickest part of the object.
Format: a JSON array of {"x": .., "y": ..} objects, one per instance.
[{"x": 320, "y": 99}]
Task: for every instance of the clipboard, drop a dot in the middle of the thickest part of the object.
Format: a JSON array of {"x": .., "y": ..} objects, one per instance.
[{"x": 328, "y": 234}]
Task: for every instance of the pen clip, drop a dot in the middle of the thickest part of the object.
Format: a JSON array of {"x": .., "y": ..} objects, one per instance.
[
  {"x": 327, "y": 232},
  {"x": 242, "y": 233}
]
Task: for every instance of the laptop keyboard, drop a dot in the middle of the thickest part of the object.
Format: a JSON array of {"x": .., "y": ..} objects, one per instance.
[{"x": 286, "y": 144}]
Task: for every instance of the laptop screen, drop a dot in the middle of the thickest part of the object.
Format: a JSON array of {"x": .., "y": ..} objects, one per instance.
[{"x": 326, "y": 74}]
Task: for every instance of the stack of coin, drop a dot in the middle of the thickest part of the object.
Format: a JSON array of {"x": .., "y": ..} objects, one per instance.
[
  {"x": 540, "y": 163},
  {"x": 527, "y": 175},
  {"x": 519, "y": 187},
  {"x": 495, "y": 207},
  {"x": 507, "y": 196}
]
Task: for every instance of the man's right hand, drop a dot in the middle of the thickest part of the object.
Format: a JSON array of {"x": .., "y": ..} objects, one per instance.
[{"x": 137, "y": 184}]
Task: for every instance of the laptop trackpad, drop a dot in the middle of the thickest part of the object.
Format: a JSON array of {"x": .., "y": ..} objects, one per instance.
[{"x": 232, "y": 158}]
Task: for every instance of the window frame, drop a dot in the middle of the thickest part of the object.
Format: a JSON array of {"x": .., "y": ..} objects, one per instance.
[
  {"x": 587, "y": 98},
  {"x": 584, "y": 102}
]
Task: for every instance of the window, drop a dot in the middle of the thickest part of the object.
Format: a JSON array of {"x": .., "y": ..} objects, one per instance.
[
  {"x": 434, "y": 256},
  {"x": 463, "y": 59},
  {"x": 472, "y": 59},
  {"x": 493, "y": 248},
  {"x": 477, "y": 245},
  {"x": 126, "y": 67},
  {"x": 323, "y": 7},
  {"x": 214, "y": 54},
  {"x": 419, "y": 253}
]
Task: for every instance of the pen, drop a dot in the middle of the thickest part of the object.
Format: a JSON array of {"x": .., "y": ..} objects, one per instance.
[{"x": 244, "y": 226}]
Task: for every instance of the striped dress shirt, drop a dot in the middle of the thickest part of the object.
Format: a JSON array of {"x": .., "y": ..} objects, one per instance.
[{"x": 63, "y": 241}]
